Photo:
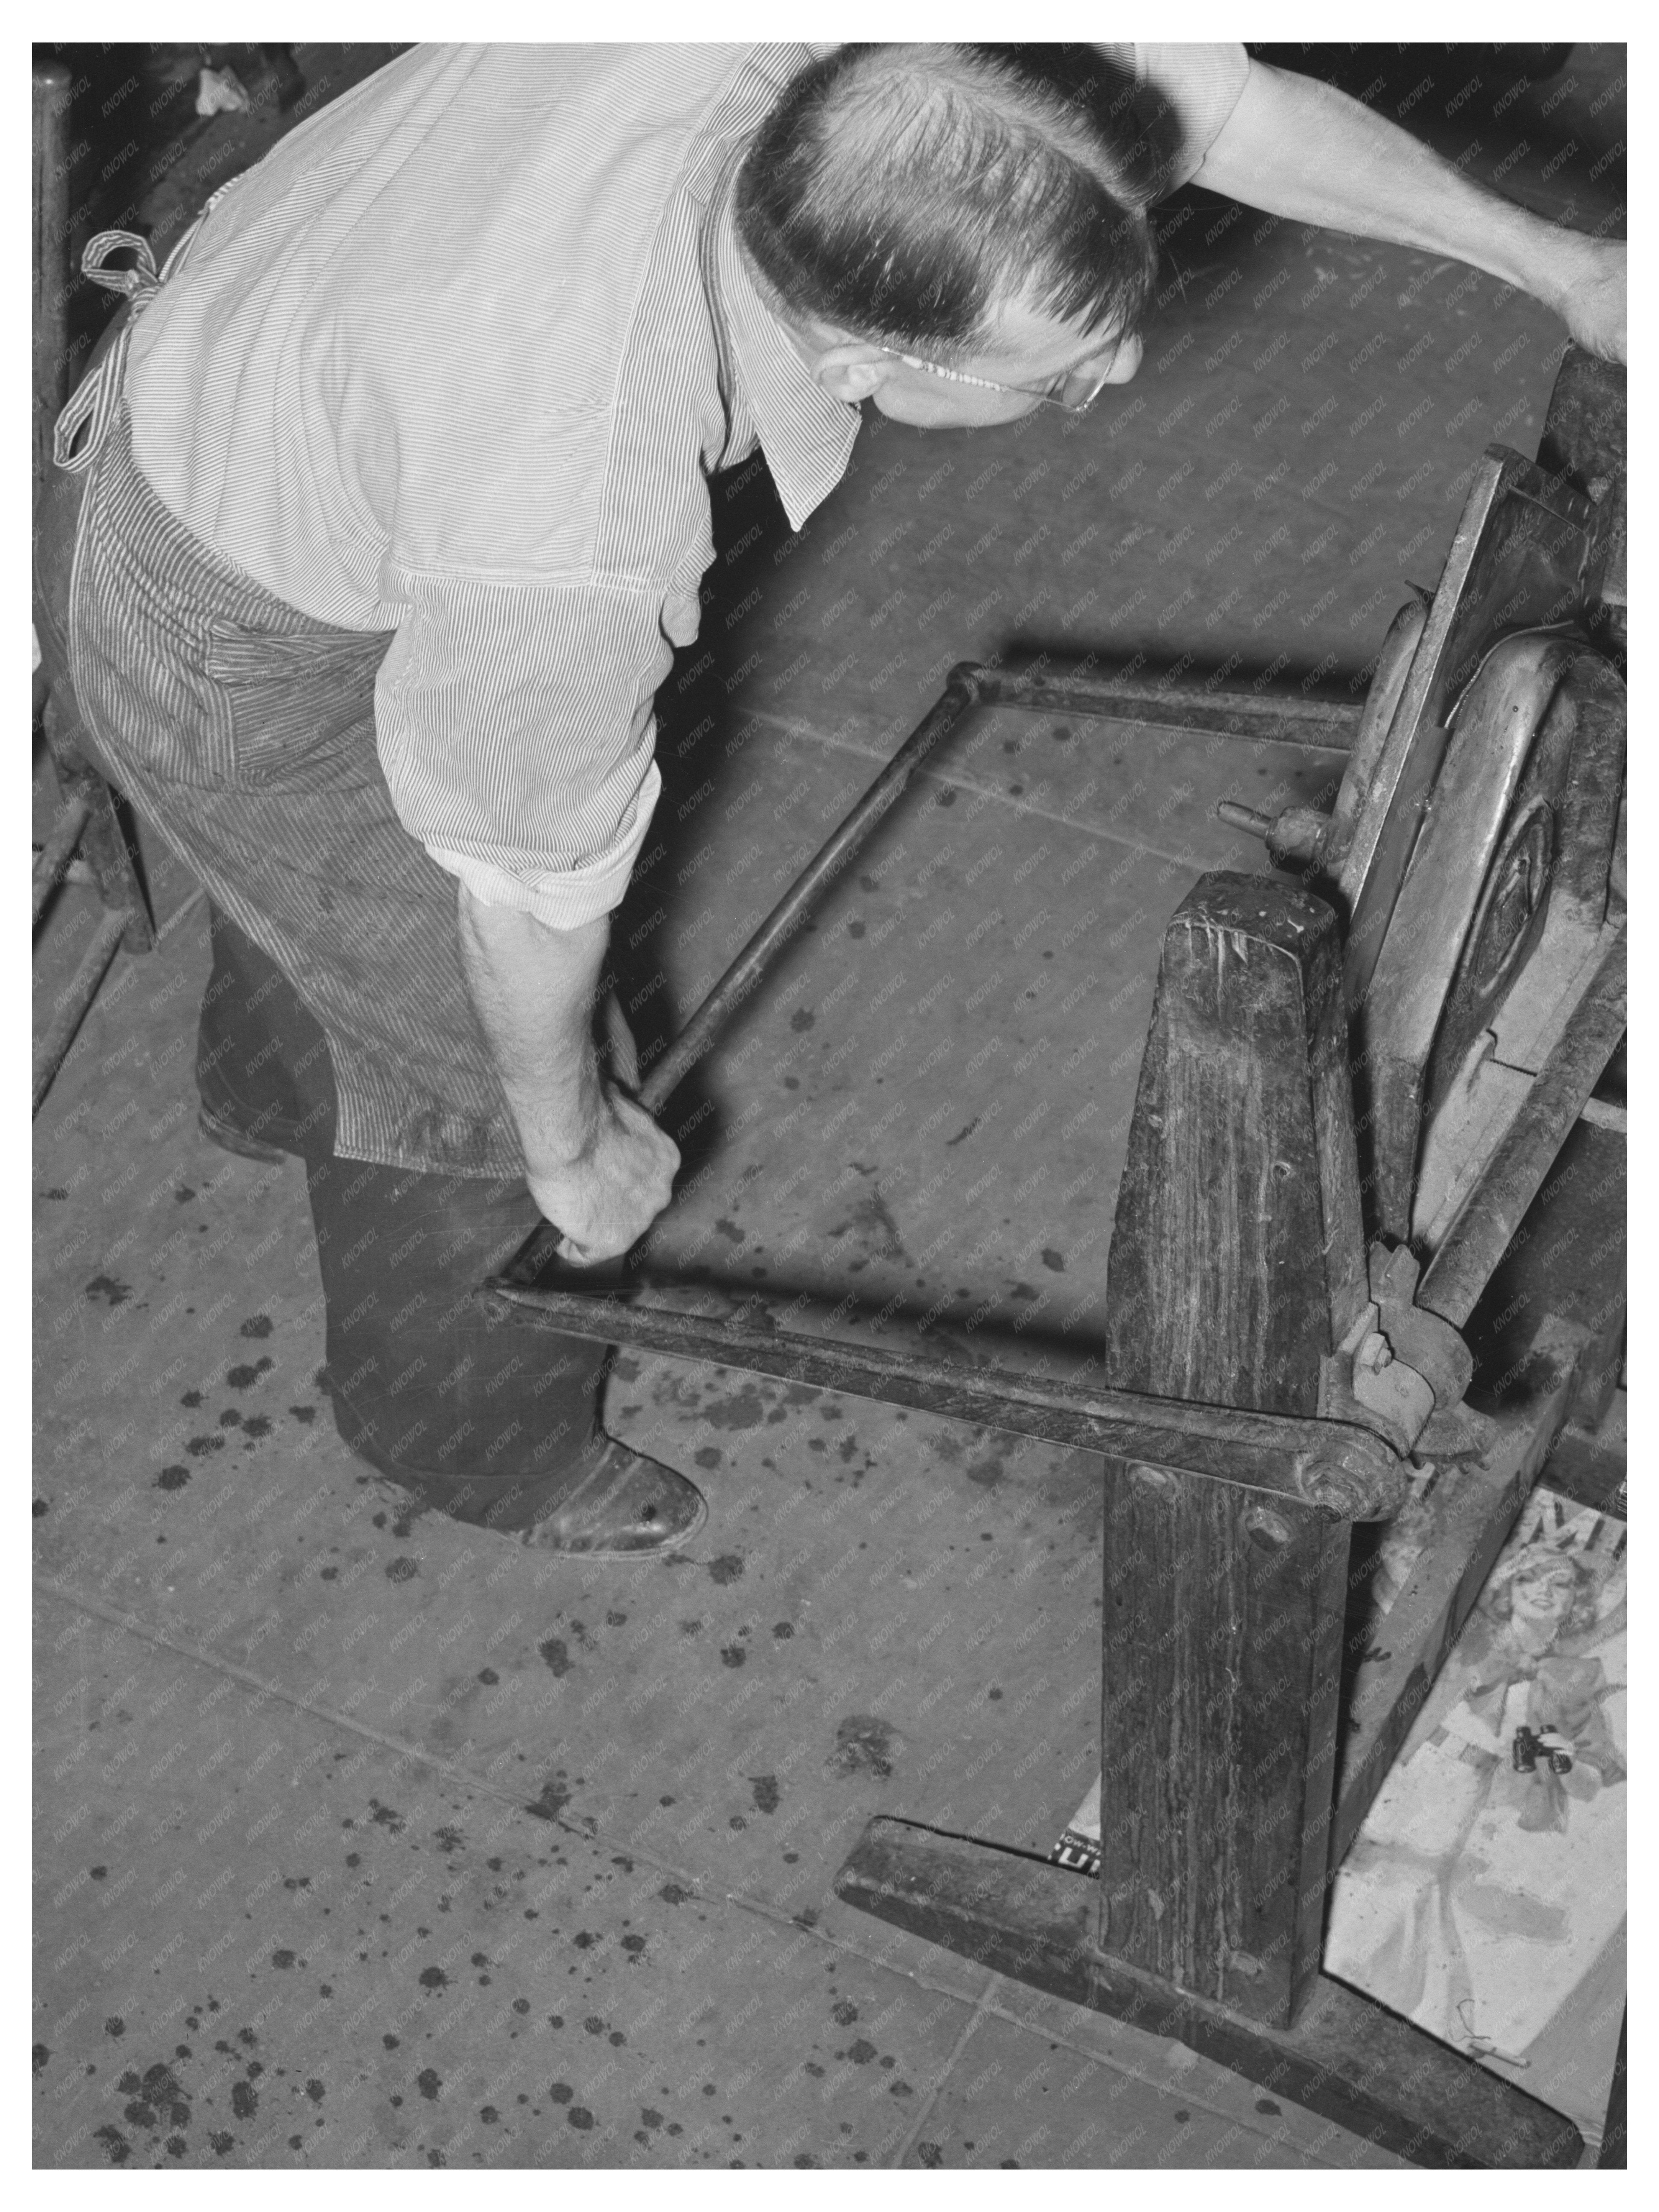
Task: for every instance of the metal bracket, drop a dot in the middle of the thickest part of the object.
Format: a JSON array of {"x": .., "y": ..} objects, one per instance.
[{"x": 1400, "y": 1366}]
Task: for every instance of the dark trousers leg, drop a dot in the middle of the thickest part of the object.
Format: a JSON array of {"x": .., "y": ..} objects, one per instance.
[
  {"x": 262, "y": 1061},
  {"x": 491, "y": 1422}
]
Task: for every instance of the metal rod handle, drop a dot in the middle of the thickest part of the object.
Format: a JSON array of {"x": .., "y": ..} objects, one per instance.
[
  {"x": 540, "y": 1249},
  {"x": 961, "y": 690}
]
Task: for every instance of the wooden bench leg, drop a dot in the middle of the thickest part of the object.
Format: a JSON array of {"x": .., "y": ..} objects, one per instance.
[
  {"x": 1344, "y": 2058},
  {"x": 1237, "y": 1265},
  {"x": 1220, "y": 1673}
]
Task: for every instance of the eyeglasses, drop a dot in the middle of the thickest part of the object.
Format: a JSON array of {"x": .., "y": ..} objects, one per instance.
[{"x": 1074, "y": 392}]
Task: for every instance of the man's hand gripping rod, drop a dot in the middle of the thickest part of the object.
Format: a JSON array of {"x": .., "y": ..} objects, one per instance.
[{"x": 534, "y": 1264}]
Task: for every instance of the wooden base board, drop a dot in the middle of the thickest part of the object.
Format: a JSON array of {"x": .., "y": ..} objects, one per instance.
[{"x": 1345, "y": 2058}]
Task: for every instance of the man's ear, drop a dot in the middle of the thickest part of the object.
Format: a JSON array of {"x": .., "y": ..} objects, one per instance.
[{"x": 852, "y": 370}]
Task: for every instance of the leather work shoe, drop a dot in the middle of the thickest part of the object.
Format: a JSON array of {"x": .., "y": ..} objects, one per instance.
[
  {"x": 628, "y": 1506},
  {"x": 229, "y": 1138}
]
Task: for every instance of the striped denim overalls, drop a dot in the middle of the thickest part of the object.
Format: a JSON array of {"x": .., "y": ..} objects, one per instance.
[{"x": 244, "y": 729}]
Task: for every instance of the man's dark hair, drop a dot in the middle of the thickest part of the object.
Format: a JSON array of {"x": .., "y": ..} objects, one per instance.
[{"x": 902, "y": 191}]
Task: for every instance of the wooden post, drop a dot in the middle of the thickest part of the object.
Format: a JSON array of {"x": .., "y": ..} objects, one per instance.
[
  {"x": 50, "y": 259},
  {"x": 1237, "y": 1263}
]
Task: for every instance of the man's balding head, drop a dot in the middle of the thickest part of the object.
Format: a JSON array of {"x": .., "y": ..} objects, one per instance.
[{"x": 903, "y": 192}]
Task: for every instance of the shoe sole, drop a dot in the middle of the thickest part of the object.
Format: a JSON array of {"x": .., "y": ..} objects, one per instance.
[
  {"x": 576, "y": 1549},
  {"x": 229, "y": 1139}
]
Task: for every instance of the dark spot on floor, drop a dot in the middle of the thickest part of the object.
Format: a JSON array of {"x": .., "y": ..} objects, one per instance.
[
  {"x": 579, "y": 2116},
  {"x": 402, "y": 1569},
  {"x": 115, "y": 2143},
  {"x": 257, "y": 1325},
  {"x": 967, "y": 1132},
  {"x": 764, "y": 1790},
  {"x": 54, "y": 1193},
  {"x": 282, "y": 1957},
  {"x": 488, "y": 1675},
  {"x": 428, "y": 2080},
  {"x": 107, "y": 1290},
  {"x": 244, "y": 2099},
  {"x": 1052, "y": 1259},
  {"x": 245, "y": 1376},
  {"x": 560, "y": 2093},
  {"x": 843, "y": 2012},
  {"x": 989, "y": 1471},
  {"x": 672, "y": 1893},
  {"x": 1267, "y": 2105},
  {"x": 708, "y": 1456},
  {"x": 191, "y": 1398},
  {"x": 307, "y": 1413},
  {"x": 732, "y": 1655},
  {"x": 551, "y": 1803},
  {"x": 172, "y": 1477},
  {"x": 865, "y": 1744},
  {"x": 115, "y": 2024},
  {"x": 556, "y": 1655},
  {"x": 730, "y": 1231},
  {"x": 434, "y": 1977},
  {"x": 725, "y": 1568},
  {"x": 746, "y": 1410},
  {"x": 199, "y": 1447},
  {"x": 257, "y": 1424},
  {"x": 803, "y": 1019}
]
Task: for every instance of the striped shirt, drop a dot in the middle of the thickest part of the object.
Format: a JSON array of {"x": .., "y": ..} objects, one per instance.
[{"x": 455, "y": 360}]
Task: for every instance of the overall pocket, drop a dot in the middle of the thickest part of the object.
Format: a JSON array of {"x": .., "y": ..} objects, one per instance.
[{"x": 291, "y": 698}]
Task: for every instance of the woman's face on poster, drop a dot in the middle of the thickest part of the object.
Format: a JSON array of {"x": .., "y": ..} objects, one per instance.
[{"x": 1544, "y": 1597}]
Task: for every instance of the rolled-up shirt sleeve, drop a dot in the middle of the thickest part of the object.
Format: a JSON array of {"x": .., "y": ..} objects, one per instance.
[
  {"x": 514, "y": 727},
  {"x": 1198, "y": 84},
  {"x": 1202, "y": 82}
]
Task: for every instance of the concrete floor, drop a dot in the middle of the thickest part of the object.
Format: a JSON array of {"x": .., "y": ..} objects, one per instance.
[{"x": 368, "y": 1840}]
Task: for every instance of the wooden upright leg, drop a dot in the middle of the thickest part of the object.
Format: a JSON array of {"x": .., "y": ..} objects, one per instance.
[
  {"x": 1220, "y": 1668},
  {"x": 1237, "y": 1263}
]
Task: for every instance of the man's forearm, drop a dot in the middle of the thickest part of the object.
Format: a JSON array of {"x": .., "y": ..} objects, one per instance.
[
  {"x": 1299, "y": 148},
  {"x": 534, "y": 989}
]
